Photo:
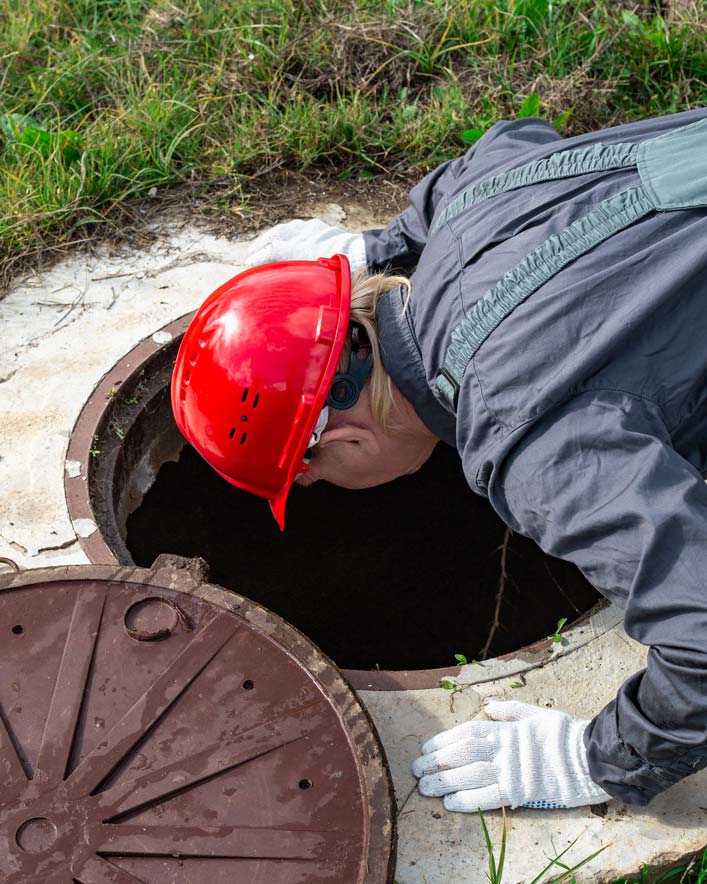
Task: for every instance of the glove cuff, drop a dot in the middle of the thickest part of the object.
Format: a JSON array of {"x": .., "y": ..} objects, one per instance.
[
  {"x": 551, "y": 764},
  {"x": 591, "y": 792},
  {"x": 356, "y": 253}
]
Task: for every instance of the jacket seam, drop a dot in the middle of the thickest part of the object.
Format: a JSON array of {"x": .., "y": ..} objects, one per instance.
[
  {"x": 508, "y": 429},
  {"x": 416, "y": 344},
  {"x": 603, "y": 388},
  {"x": 659, "y": 771},
  {"x": 499, "y": 423},
  {"x": 460, "y": 270},
  {"x": 419, "y": 362}
]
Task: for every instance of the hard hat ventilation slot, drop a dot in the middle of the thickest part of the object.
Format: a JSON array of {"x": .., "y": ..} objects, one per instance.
[
  {"x": 245, "y": 395},
  {"x": 243, "y": 438},
  {"x": 232, "y": 433},
  {"x": 256, "y": 400}
]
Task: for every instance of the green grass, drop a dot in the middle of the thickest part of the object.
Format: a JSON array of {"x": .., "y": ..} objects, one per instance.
[
  {"x": 563, "y": 869},
  {"x": 102, "y": 100},
  {"x": 693, "y": 873}
]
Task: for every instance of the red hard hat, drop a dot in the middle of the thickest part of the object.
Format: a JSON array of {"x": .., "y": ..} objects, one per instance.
[{"x": 254, "y": 369}]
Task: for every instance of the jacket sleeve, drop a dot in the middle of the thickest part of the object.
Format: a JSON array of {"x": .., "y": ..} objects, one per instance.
[
  {"x": 597, "y": 482},
  {"x": 400, "y": 244}
]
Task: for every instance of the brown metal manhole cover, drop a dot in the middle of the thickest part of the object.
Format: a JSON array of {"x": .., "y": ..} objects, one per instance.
[{"x": 156, "y": 729}]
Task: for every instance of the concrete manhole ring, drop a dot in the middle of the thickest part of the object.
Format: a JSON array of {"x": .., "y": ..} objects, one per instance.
[{"x": 228, "y": 750}]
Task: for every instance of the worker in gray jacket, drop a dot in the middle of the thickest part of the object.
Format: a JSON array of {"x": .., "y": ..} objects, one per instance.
[{"x": 554, "y": 330}]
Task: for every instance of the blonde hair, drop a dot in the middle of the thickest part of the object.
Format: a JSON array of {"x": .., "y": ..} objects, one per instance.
[{"x": 365, "y": 292}]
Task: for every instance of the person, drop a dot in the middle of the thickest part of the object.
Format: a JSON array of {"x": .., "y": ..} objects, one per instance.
[{"x": 541, "y": 305}]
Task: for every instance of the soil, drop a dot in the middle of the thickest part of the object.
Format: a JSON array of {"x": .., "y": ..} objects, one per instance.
[
  {"x": 402, "y": 576},
  {"x": 282, "y": 194},
  {"x": 226, "y": 207}
]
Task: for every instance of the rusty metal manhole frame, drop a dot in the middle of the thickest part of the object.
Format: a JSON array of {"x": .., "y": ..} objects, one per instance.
[
  {"x": 176, "y": 575},
  {"x": 96, "y": 414}
]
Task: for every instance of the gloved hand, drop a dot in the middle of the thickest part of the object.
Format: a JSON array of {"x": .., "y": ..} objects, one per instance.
[
  {"x": 306, "y": 241},
  {"x": 525, "y": 756}
]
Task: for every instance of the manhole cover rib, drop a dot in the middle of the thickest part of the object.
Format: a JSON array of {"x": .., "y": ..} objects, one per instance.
[{"x": 156, "y": 729}]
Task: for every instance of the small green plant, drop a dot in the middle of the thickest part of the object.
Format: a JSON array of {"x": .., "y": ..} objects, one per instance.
[
  {"x": 471, "y": 136},
  {"x": 24, "y": 133},
  {"x": 93, "y": 451},
  {"x": 495, "y": 872},
  {"x": 447, "y": 685},
  {"x": 556, "y": 637},
  {"x": 529, "y": 108},
  {"x": 462, "y": 660},
  {"x": 694, "y": 873},
  {"x": 568, "y": 871},
  {"x": 120, "y": 433}
]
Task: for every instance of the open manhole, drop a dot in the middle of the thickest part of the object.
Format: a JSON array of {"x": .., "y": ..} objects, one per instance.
[
  {"x": 158, "y": 729},
  {"x": 399, "y": 577}
]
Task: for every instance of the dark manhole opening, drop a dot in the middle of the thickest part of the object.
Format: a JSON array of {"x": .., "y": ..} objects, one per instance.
[{"x": 403, "y": 576}]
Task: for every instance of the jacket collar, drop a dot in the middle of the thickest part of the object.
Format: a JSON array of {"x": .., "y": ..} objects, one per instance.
[{"x": 402, "y": 360}]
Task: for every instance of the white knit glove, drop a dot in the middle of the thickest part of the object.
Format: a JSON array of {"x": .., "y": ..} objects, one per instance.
[
  {"x": 525, "y": 756},
  {"x": 306, "y": 241}
]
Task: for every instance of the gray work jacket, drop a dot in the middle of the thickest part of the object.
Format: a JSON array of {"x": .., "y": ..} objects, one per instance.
[{"x": 583, "y": 415}]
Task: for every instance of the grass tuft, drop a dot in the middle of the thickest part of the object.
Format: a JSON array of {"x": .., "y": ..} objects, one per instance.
[
  {"x": 694, "y": 872},
  {"x": 103, "y": 100}
]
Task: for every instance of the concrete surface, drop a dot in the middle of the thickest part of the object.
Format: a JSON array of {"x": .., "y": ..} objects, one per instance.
[{"x": 61, "y": 331}]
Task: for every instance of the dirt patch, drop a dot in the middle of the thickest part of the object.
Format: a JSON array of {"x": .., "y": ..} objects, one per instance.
[
  {"x": 278, "y": 195},
  {"x": 228, "y": 207}
]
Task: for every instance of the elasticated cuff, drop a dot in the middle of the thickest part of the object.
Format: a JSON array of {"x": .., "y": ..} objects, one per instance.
[{"x": 618, "y": 769}]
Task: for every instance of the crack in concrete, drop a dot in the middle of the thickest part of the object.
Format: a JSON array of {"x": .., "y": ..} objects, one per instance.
[
  {"x": 65, "y": 545},
  {"x": 188, "y": 260},
  {"x": 16, "y": 546},
  {"x": 183, "y": 261},
  {"x": 11, "y": 375},
  {"x": 406, "y": 799},
  {"x": 33, "y": 342},
  {"x": 74, "y": 304},
  {"x": 75, "y": 307},
  {"x": 548, "y": 661},
  {"x": 31, "y": 552},
  {"x": 77, "y": 315}
]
